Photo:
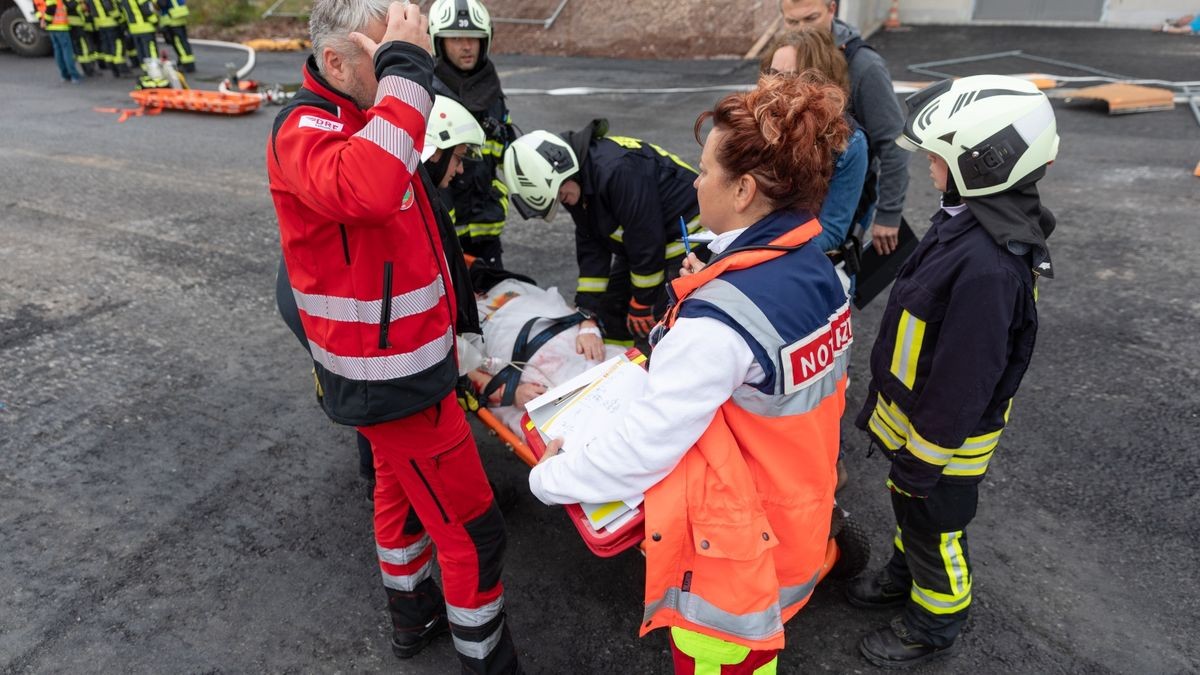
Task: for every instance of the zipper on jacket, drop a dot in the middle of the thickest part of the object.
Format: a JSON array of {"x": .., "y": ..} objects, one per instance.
[
  {"x": 430, "y": 488},
  {"x": 385, "y": 312},
  {"x": 345, "y": 243}
]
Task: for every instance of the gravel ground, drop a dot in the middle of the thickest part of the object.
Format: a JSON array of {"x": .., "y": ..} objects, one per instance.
[{"x": 174, "y": 501}]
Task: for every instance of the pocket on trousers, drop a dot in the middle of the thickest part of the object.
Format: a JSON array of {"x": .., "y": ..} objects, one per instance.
[{"x": 456, "y": 482}]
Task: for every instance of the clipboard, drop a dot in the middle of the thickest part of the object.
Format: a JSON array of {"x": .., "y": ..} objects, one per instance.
[
  {"x": 610, "y": 540},
  {"x": 876, "y": 271}
]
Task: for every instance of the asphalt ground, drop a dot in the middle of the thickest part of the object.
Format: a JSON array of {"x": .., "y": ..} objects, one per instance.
[{"x": 172, "y": 499}]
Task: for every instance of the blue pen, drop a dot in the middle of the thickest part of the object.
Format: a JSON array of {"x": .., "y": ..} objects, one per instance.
[{"x": 687, "y": 243}]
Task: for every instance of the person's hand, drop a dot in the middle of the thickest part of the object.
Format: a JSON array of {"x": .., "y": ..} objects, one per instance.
[
  {"x": 552, "y": 449},
  {"x": 526, "y": 392},
  {"x": 465, "y": 395},
  {"x": 640, "y": 320},
  {"x": 691, "y": 265},
  {"x": 885, "y": 238},
  {"x": 405, "y": 23},
  {"x": 589, "y": 343}
]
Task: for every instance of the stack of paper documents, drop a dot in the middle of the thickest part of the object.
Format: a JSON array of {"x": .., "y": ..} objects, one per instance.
[{"x": 585, "y": 407}]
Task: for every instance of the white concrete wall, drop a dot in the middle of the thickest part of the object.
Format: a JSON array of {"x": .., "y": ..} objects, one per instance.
[
  {"x": 1146, "y": 12},
  {"x": 1116, "y": 12}
]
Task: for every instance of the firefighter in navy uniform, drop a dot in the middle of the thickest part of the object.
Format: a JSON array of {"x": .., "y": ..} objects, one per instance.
[
  {"x": 83, "y": 36},
  {"x": 461, "y": 32},
  {"x": 626, "y": 197},
  {"x": 376, "y": 300},
  {"x": 105, "y": 15},
  {"x": 141, "y": 21},
  {"x": 954, "y": 342},
  {"x": 173, "y": 20}
]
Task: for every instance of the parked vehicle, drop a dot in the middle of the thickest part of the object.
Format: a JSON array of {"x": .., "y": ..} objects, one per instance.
[{"x": 19, "y": 30}]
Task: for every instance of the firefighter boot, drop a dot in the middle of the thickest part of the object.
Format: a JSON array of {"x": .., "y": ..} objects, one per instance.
[
  {"x": 876, "y": 592},
  {"x": 895, "y": 647},
  {"x": 417, "y": 618}
]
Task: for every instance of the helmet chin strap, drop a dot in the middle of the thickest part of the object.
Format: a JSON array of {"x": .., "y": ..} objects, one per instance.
[
  {"x": 951, "y": 197},
  {"x": 437, "y": 168}
]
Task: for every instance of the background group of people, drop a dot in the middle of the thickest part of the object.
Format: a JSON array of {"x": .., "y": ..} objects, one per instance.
[
  {"x": 116, "y": 35},
  {"x": 392, "y": 170}
]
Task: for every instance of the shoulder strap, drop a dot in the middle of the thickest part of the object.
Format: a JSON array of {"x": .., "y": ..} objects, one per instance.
[{"x": 523, "y": 350}]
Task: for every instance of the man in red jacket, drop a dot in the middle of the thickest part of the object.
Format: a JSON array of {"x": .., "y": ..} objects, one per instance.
[{"x": 369, "y": 276}]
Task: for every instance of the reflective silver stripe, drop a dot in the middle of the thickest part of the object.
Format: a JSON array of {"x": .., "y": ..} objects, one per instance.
[
  {"x": 755, "y": 626},
  {"x": 473, "y": 618},
  {"x": 742, "y": 310},
  {"x": 336, "y": 308},
  {"x": 927, "y": 598},
  {"x": 802, "y": 401},
  {"x": 647, "y": 280},
  {"x": 408, "y": 582},
  {"x": 479, "y": 650},
  {"x": 382, "y": 368},
  {"x": 407, "y": 91},
  {"x": 923, "y": 447},
  {"x": 403, "y": 556},
  {"x": 392, "y": 140},
  {"x": 960, "y": 583},
  {"x": 790, "y": 595}
]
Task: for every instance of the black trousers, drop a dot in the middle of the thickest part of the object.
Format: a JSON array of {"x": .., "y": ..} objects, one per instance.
[
  {"x": 614, "y": 304},
  {"x": 930, "y": 555},
  {"x": 487, "y": 249}
]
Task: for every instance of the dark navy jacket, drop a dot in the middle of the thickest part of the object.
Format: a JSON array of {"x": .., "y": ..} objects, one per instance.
[
  {"x": 633, "y": 196},
  {"x": 954, "y": 342}
]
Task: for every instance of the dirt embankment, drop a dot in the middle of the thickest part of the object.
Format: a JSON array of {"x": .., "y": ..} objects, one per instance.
[
  {"x": 647, "y": 29},
  {"x": 643, "y": 29}
]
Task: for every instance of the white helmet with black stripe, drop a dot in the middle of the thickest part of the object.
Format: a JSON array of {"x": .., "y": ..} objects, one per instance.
[
  {"x": 992, "y": 130},
  {"x": 460, "y": 18},
  {"x": 535, "y": 166}
]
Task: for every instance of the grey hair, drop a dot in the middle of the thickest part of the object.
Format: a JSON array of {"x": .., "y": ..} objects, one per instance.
[{"x": 331, "y": 21}]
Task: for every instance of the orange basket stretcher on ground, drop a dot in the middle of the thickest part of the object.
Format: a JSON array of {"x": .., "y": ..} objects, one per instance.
[{"x": 196, "y": 100}]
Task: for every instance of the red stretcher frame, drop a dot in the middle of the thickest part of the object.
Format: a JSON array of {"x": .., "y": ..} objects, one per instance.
[{"x": 603, "y": 544}]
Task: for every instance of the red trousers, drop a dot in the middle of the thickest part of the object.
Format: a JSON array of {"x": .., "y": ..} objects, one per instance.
[{"x": 430, "y": 488}]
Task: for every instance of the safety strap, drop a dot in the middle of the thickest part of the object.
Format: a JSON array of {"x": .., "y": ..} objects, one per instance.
[{"x": 523, "y": 350}]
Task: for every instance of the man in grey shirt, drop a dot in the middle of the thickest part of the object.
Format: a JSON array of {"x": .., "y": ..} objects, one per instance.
[{"x": 873, "y": 105}]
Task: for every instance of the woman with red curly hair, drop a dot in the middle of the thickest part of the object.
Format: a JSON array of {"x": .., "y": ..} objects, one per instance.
[{"x": 735, "y": 439}]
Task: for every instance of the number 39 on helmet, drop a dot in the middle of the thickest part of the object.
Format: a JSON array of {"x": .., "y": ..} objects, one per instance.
[
  {"x": 460, "y": 18},
  {"x": 992, "y": 130}
]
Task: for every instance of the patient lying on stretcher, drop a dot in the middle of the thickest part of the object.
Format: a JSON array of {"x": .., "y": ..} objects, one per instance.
[{"x": 532, "y": 340}]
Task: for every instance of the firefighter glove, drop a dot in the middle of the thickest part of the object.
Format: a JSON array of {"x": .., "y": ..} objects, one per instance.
[{"x": 640, "y": 320}]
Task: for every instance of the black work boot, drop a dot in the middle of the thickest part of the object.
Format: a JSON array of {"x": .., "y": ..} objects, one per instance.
[
  {"x": 417, "y": 618},
  {"x": 894, "y": 647},
  {"x": 876, "y": 592}
]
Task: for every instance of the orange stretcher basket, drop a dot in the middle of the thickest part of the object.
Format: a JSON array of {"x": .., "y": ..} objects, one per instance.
[
  {"x": 196, "y": 100},
  {"x": 604, "y": 543}
]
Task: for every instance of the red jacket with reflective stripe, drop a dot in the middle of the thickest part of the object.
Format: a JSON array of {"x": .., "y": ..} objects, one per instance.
[{"x": 361, "y": 243}]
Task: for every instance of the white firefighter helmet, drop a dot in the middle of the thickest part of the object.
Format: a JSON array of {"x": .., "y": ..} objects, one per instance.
[
  {"x": 992, "y": 130},
  {"x": 535, "y": 166},
  {"x": 451, "y": 125},
  {"x": 460, "y": 18}
]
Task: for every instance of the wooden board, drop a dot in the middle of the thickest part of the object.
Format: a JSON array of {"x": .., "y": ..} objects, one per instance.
[{"x": 1126, "y": 98}]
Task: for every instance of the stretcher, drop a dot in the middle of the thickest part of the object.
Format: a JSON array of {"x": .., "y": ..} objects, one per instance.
[{"x": 846, "y": 555}]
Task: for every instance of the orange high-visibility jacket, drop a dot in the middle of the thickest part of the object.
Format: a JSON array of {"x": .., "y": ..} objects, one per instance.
[{"x": 737, "y": 532}]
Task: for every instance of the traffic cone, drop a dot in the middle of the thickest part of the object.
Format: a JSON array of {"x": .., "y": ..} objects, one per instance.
[{"x": 893, "y": 20}]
